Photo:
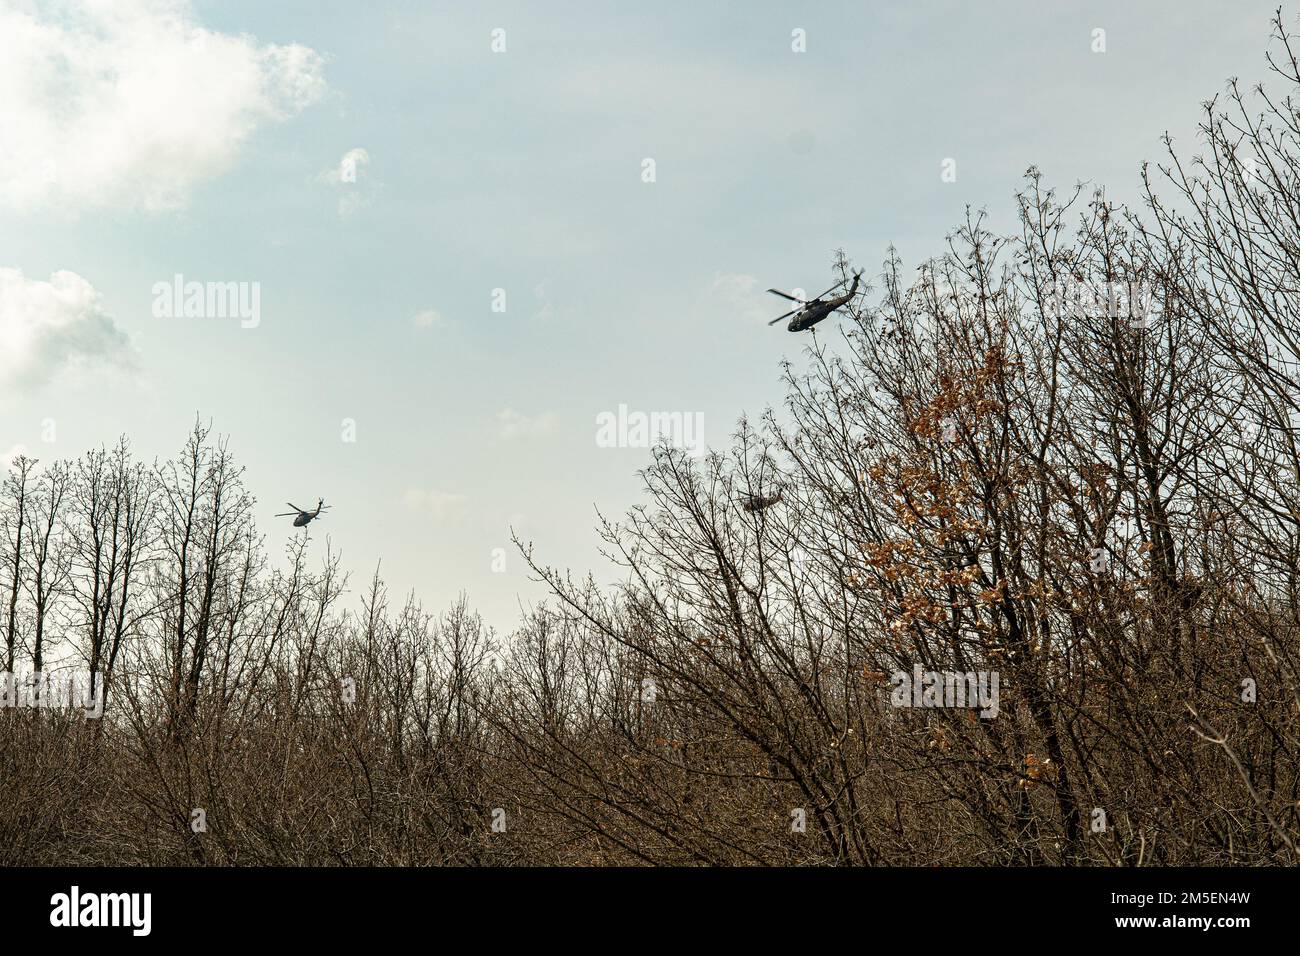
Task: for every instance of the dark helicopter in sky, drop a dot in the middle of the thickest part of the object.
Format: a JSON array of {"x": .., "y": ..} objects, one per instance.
[
  {"x": 759, "y": 502},
  {"x": 812, "y": 311},
  {"x": 301, "y": 516}
]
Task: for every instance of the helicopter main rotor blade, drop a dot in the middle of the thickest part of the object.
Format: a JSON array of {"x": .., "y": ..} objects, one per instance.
[
  {"x": 786, "y": 316},
  {"x": 833, "y": 288},
  {"x": 786, "y": 295},
  {"x": 288, "y": 514}
]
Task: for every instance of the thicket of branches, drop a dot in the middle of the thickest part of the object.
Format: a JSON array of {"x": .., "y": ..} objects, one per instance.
[{"x": 1106, "y": 514}]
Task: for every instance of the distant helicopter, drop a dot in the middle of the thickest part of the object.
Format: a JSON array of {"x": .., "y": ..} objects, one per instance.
[
  {"x": 812, "y": 311},
  {"x": 300, "y": 515},
  {"x": 760, "y": 502}
]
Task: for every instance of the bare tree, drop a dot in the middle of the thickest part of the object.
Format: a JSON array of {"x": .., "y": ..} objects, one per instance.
[
  {"x": 112, "y": 530},
  {"x": 205, "y": 538},
  {"x": 49, "y": 561},
  {"x": 17, "y": 489}
]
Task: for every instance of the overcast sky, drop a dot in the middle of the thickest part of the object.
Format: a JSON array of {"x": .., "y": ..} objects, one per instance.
[{"x": 378, "y": 170}]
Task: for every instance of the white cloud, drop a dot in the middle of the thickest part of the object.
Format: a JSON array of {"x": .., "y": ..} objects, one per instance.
[
  {"x": 426, "y": 319},
  {"x": 511, "y": 424},
  {"x": 351, "y": 168},
  {"x": 359, "y": 188},
  {"x": 132, "y": 103},
  {"x": 47, "y": 327},
  {"x": 740, "y": 296},
  {"x": 734, "y": 285},
  {"x": 352, "y": 203},
  {"x": 438, "y": 505}
]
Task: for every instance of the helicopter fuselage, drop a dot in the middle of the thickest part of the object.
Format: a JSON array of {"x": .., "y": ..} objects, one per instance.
[
  {"x": 306, "y": 516},
  {"x": 819, "y": 309},
  {"x": 760, "y": 502},
  {"x": 301, "y": 516},
  {"x": 810, "y": 316}
]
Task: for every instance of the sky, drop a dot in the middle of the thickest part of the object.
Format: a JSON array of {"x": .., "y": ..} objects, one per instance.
[{"x": 470, "y": 230}]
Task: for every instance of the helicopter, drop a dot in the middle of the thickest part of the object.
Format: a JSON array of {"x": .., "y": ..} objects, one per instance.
[
  {"x": 300, "y": 515},
  {"x": 758, "y": 502},
  {"x": 812, "y": 311}
]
